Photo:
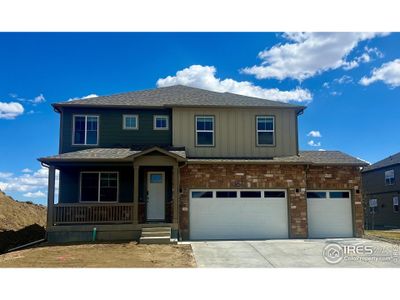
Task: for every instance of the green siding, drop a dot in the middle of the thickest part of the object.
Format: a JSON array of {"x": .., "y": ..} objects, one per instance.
[
  {"x": 111, "y": 133},
  {"x": 70, "y": 177}
]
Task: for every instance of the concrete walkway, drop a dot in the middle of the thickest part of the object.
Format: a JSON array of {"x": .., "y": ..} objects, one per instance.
[{"x": 294, "y": 253}]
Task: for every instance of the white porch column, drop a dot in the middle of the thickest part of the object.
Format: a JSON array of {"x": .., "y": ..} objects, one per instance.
[
  {"x": 50, "y": 196},
  {"x": 175, "y": 193},
  {"x": 135, "y": 194}
]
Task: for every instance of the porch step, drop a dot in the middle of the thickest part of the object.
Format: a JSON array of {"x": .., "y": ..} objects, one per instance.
[{"x": 156, "y": 235}]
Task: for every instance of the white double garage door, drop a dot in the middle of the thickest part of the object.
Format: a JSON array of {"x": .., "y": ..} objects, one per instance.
[{"x": 220, "y": 214}]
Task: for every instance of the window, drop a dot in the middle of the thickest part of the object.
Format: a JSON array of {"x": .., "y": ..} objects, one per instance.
[
  {"x": 274, "y": 194},
  {"x": 250, "y": 194},
  {"x": 155, "y": 178},
  {"x": 396, "y": 204},
  {"x": 389, "y": 177},
  {"x": 99, "y": 187},
  {"x": 130, "y": 122},
  {"x": 161, "y": 123},
  {"x": 226, "y": 194},
  {"x": 265, "y": 130},
  {"x": 202, "y": 194},
  {"x": 316, "y": 195},
  {"x": 204, "y": 131},
  {"x": 373, "y": 205},
  {"x": 85, "y": 130},
  {"x": 339, "y": 195}
]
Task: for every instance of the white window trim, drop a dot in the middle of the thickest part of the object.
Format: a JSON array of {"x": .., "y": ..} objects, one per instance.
[
  {"x": 393, "y": 205},
  {"x": 328, "y": 195},
  {"x": 73, "y": 130},
  {"x": 99, "y": 178},
  {"x": 388, "y": 178},
  {"x": 266, "y": 130},
  {"x": 130, "y": 128},
  {"x": 214, "y": 193},
  {"x": 204, "y": 130},
  {"x": 155, "y": 122}
]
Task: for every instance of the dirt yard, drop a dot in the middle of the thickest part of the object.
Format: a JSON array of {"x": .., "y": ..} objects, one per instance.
[
  {"x": 122, "y": 255},
  {"x": 392, "y": 236}
]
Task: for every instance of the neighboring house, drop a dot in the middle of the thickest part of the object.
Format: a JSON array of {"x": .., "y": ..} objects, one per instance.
[
  {"x": 381, "y": 189},
  {"x": 206, "y": 165}
]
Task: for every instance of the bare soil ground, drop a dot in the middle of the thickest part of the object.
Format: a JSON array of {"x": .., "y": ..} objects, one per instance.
[
  {"x": 392, "y": 236},
  {"x": 15, "y": 215},
  {"x": 121, "y": 255}
]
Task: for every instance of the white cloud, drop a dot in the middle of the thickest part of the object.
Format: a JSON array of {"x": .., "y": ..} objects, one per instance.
[
  {"x": 321, "y": 149},
  {"x": 28, "y": 182},
  {"x": 90, "y": 96},
  {"x": 336, "y": 93},
  {"x": 5, "y": 174},
  {"x": 38, "y": 99},
  {"x": 84, "y": 97},
  {"x": 343, "y": 80},
  {"x": 314, "y": 144},
  {"x": 314, "y": 133},
  {"x": 204, "y": 77},
  {"x": 374, "y": 51},
  {"x": 10, "y": 110},
  {"x": 389, "y": 73},
  {"x": 309, "y": 54},
  {"x": 26, "y": 170},
  {"x": 38, "y": 194}
]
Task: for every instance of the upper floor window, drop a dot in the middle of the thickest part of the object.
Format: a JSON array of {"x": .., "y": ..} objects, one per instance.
[
  {"x": 131, "y": 122},
  {"x": 205, "y": 131},
  {"x": 265, "y": 130},
  {"x": 161, "y": 122},
  {"x": 389, "y": 177},
  {"x": 86, "y": 130}
]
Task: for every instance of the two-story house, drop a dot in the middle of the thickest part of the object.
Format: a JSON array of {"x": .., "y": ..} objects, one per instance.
[
  {"x": 200, "y": 164},
  {"x": 381, "y": 191}
]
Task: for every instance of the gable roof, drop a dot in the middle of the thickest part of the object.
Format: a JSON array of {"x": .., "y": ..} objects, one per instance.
[
  {"x": 111, "y": 154},
  {"x": 176, "y": 96},
  {"x": 388, "y": 161}
]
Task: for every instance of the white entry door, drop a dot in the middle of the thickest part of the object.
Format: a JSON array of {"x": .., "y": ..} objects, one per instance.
[
  {"x": 156, "y": 196},
  {"x": 329, "y": 214},
  {"x": 238, "y": 214}
]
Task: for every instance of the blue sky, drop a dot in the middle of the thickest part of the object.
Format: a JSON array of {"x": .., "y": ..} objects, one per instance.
[{"x": 350, "y": 83}]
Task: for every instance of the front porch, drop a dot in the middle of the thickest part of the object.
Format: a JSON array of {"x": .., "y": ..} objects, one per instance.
[{"x": 116, "y": 200}]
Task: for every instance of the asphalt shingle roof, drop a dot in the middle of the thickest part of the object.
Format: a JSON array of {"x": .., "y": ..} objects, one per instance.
[
  {"x": 391, "y": 160},
  {"x": 100, "y": 154},
  {"x": 124, "y": 154},
  {"x": 304, "y": 157},
  {"x": 177, "y": 95}
]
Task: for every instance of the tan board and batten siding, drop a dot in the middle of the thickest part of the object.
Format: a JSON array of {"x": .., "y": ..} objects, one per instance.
[{"x": 235, "y": 132}]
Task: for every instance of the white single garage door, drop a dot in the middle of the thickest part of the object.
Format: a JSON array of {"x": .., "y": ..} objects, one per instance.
[
  {"x": 238, "y": 214},
  {"x": 329, "y": 214}
]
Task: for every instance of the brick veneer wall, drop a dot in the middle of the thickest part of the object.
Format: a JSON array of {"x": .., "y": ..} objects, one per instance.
[{"x": 296, "y": 179}]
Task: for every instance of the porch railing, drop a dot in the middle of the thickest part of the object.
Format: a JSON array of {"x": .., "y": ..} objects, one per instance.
[{"x": 97, "y": 213}]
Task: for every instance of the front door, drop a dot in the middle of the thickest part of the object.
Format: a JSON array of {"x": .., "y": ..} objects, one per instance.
[{"x": 156, "y": 196}]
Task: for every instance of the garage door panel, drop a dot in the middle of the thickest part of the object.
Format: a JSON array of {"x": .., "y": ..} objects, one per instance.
[
  {"x": 238, "y": 218},
  {"x": 330, "y": 217}
]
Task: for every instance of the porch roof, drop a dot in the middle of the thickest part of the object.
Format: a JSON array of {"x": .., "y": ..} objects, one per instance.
[{"x": 112, "y": 154}]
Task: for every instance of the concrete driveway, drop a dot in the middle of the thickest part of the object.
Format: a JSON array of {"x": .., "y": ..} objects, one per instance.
[{"x": 296, "y": 253}]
